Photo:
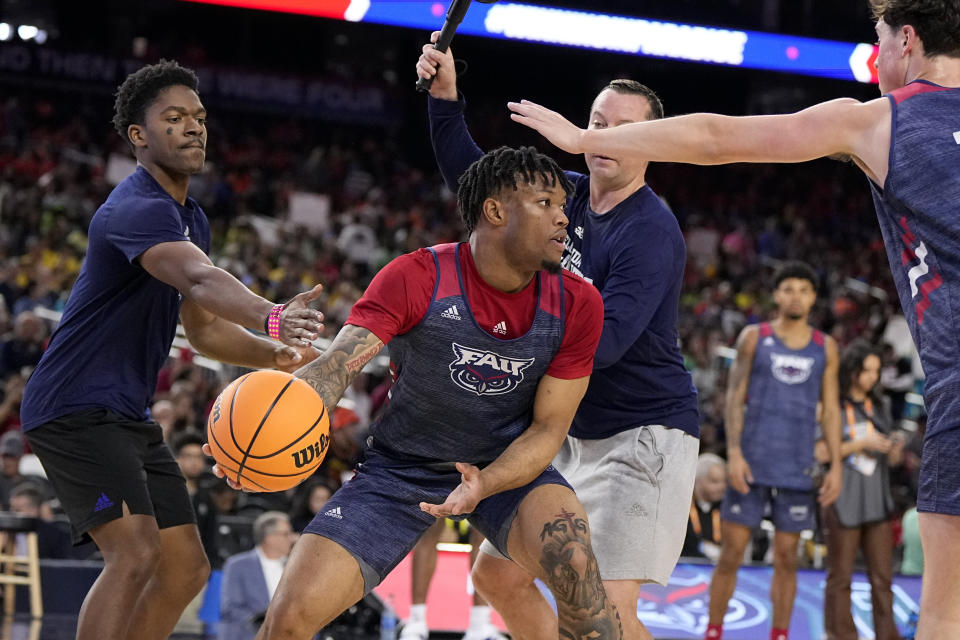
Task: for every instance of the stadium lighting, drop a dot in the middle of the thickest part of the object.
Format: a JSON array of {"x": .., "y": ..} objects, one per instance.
[
  {"x": 27, "y": 31},
  {"x": 41, "y": 36},
  {"x": 6, "y": 31}
]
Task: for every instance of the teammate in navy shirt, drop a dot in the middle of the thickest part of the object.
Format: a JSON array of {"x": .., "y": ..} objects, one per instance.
[
  {"x": 908, "y": 144},
  {"x": 84, "y": 409},
  {"x": 632, "y": 451},
  {"x": 782, "y": 371},
  {"x": 475, "y": 414}
]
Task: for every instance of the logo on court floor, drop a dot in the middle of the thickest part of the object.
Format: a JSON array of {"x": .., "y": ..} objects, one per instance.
[{"x": 486, "y": 373}]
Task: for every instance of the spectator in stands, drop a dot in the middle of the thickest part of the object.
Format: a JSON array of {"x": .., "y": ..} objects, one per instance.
[
  {"x": 703, "y": 528},
  {"x": 52, "y": 540},
  {"x": 25, "y": 346},
  {"x": 11, "y": 450},
  {"x": 10, "y": 406},
  {"x": 308, "y": 501},
  {"x": 162, "y": 412},
  {"x": 250, "y": 578},
  {"x": 193, "y": 465},
  {"x": 860, "y": 518}
]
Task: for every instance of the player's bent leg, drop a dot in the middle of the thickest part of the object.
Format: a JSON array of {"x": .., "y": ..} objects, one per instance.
[
  {"x": 624, "y": 594},
  {"x": 940, "y": 601},
  {"x": 509, "y": 588},
  {"x": 550, "y": 538},
  {"x": 321, "y": 579},
  {"x": 724, "y": 580},
  {"x": 783, "y": 589},
  {"x": 131, "y": 554},
  {"x": 180, "y": 575},
  {"x": 424, "y": 564}
]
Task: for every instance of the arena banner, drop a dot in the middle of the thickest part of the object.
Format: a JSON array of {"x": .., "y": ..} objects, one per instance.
[
  {"x": 304, "y": 96},
  {"x": 604, "y": 32}
]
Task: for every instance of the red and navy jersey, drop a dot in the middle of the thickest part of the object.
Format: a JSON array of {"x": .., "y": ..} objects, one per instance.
[
  {"x": 919, "y": 213},
  {"x": 468, "y": 357},
  {"x": 780, "y": 424}
]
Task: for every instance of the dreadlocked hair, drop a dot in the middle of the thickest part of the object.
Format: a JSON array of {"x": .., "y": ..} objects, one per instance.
[
  {"x": 142, "y": 87},
  {"x": 500, "y": 169}
]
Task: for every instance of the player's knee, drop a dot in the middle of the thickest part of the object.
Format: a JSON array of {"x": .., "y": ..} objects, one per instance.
[
  {"x": 730, "y": 558},
  {"x": 785, "y": 558},
  {"x": 495, "y": 579},
  {"x": 135, "y": 564},
  {"x": 287, "y": 618},
  {"x": 197, "y": 574}
]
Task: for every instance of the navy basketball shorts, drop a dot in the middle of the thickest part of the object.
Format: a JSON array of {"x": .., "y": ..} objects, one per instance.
[
  {"x": 939, "y": 490},
  {"x": 97, "y": 461},
  {"x": 376, "y": 516},
  {"x": 792, "y": 510}
]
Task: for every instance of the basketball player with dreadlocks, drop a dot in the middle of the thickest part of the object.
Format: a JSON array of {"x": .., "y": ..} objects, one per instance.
[{"x": 492, "y": 346}]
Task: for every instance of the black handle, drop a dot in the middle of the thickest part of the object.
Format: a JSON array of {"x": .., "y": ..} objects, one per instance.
[{"x": 455, "y": 14}]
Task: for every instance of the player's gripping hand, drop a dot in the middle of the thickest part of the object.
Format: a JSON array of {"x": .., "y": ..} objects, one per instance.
[
  {"x": 299, "y": 324},
  {"x": 462, "y": 500},
  {"x": 217, "y": 471},
  {"x": 832, "y": 484},
  {"x": 550, "y": 124},
  {"x": 739, "y": 472},
  {"x": 440, "y": 67}
]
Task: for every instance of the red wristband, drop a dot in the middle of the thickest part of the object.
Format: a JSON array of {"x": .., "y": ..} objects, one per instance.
[{"x": 273, "y": 321}]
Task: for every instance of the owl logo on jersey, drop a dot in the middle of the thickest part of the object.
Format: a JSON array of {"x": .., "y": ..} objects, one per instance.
[
  {"x": 486, "y": 373},
  {"x": 791, "y": 369}
]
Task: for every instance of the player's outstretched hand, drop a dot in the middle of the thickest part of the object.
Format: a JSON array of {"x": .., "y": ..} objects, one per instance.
[
  {"x": 832, "y": 484},
  {"x": 550, "y": 124},
  {"x": 300, "y": 324},
  {"x": 464, "y": 498},
  {"x": 439, "y": 66},
  {"x": 217, "y": 471},
  {"x": 739, "y": 472}
]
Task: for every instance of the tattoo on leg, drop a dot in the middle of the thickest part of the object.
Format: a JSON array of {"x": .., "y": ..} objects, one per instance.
[{"x": 574, "y": 579}]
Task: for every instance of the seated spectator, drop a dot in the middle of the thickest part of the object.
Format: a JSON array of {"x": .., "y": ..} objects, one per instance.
[
  {"x": 308, "y": 501},
  {"x": 11, "y": 450},
  {"x": 251, "y": 578},
  {"x": 53, "y": 541},
  {"x": 26, "y": 345},
  {"x": 703, "y": 528}
]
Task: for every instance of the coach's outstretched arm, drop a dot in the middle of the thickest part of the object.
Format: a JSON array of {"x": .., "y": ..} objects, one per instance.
[
  {"x": 844, "y": 127},
  {"x": 527, "y": 456}
]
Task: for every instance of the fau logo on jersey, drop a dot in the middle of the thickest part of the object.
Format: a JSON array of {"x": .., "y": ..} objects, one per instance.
[
  {"x": 791, "y": 369},
  {"x": 486, "y": 373}
]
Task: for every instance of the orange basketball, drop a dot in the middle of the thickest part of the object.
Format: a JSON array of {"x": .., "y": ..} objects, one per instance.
[{"x": 268, "y": 431}]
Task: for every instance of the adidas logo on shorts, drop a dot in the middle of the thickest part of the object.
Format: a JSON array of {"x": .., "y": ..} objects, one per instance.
[
  {"x": 103, "y": 502},
  {"x": 451, "y": 313},
  {"x": 334, "y": 513}
]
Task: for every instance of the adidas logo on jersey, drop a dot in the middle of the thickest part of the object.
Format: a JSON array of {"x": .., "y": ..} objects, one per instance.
[
  {"x": 579, "y": 232},
  {"x": 956, "y": 136},
  {"x": 500, "y": 327},
  {"x": 452, "y": 313},
  {"x": 334, "y": 513}
]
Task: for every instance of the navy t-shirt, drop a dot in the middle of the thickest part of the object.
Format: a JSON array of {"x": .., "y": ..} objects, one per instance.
[
  {"x": 635, "y": 255},
  {"x": 119, "y": 322}
]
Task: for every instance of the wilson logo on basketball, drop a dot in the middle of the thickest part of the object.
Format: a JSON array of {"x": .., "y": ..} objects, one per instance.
[
  {"x": 216, "y": 410},
  {"x": 486, "y": 373},
  {"x": 308, "y": 454}
]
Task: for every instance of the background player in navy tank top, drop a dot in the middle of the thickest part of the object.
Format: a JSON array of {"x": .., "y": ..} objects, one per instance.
[
  {"x": 908, "y": 145},
  {"x": 84, "y": 409},
  {"x": 475, "y": 415},
  {"x": 782, "y": 370},
  {"x": 631, "y": 453}
]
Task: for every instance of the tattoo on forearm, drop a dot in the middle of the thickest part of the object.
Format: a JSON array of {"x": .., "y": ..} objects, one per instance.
[
  {"x": 332, "y": 373},
  {"x": 574, "y": 578}
]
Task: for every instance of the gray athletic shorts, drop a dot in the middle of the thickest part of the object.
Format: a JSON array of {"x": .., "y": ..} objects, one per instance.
[{"x": 636, "y": 487}]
